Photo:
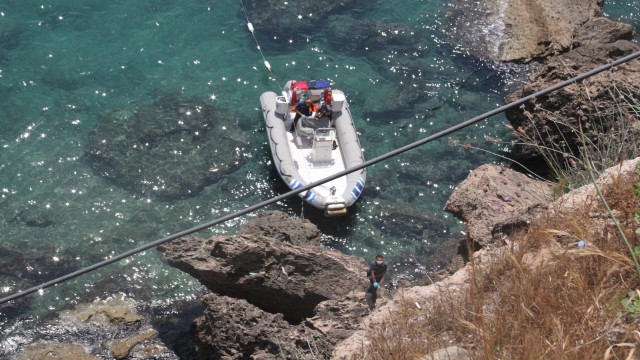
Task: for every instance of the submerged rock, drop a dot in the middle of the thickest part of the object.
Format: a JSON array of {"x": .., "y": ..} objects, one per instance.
[
  {"x": 11, "y": 37},
  {"x": 361, "y": 36},
  {"x": 36, "y": 216},
  {"x": 24, "y": 266},
  {"x": 295, "y": 20},
  {"x": 104, "y": 329},
  {"x": 170, "y": 149},
  {"x": 395, "y": 51},
  {"x": 398, "y": 222},
  {"x": 56, "y": 351}
]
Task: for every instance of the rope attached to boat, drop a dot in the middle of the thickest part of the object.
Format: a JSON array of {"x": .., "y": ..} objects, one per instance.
[
  {"x": 253, "y": 34},
  {"x": 365, "y": 164}
]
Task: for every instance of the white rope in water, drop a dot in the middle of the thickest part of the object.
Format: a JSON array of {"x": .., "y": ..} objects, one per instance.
[{"x": 253, "y": 34}]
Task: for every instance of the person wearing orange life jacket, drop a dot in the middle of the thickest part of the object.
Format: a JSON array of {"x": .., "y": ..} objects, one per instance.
[
  {"x": 303, "y": 108},
  {"x": 327, "y": 96},
  {"x": 325, "y": 109}
]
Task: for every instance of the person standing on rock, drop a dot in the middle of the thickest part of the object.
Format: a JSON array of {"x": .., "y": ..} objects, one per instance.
[{"x": 377, "y": 269}]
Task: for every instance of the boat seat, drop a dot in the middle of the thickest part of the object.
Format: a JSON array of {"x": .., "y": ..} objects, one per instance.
[
  {"x": 315, "y": 94},
  {"x": 314, "y": 124},
  {"x": 307, "y": 127},
  {"x": 303, "y": 130},
  {"x": 323, "y": 145}
]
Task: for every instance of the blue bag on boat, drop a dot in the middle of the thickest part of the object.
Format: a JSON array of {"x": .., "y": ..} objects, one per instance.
[{"x": 318, "y": 84}]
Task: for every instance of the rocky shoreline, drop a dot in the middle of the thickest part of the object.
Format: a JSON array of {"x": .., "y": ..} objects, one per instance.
[
  {"x": 493, "y": 201},
  {"x": 273, "y": 258},
  {"x": 272, "y": 296},
  {"x": 273, "y": 291}
]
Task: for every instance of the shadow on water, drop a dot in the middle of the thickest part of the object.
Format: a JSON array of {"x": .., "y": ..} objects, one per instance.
[
  {"x": 338, "y": 227},
  {"x": 486, "y": 76},
  {"x": 175, "y": 327}
]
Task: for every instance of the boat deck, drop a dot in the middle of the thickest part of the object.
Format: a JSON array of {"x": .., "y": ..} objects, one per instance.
[{"x": 310, "y": 171}]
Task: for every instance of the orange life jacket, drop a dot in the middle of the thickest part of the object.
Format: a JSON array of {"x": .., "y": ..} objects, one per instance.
[{"x": 327, "y": 96}]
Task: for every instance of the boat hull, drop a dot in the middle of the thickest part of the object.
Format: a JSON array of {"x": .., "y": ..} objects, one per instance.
[{"x": 300, "y": 158}]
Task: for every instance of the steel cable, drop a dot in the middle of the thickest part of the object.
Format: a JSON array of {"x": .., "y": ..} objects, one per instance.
[{"x": 273, "y": 200}]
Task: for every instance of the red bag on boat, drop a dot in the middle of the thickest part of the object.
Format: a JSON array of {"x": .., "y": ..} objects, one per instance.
[{"x": 299, "y": 85}]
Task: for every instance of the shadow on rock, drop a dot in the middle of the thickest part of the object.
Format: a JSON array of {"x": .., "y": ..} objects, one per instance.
[
  {"x": 596, "y": 115},
  {"x": 278, "y": 293},
  {"x": 240, "y": 330}
]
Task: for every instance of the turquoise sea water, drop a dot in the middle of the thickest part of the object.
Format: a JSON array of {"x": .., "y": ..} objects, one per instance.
[{"x": 65, "y": 64}]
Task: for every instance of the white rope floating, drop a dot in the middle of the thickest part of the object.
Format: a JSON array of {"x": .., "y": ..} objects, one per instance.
[{"x": 252, "y": 30}]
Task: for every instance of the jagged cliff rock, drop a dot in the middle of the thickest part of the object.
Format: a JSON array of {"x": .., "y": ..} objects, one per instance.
[
  {"x": 518, "y": 30},
  {"x": 456, "y": 284},
  {"x": 594, "y": 107},
  {"x": 494, "y": 200},
  {"x": 279, "y": 292},
  {"x": 234, "y": 329},
  {"x": 274, "y": 275},
  {"x": 283, "y": 228}
]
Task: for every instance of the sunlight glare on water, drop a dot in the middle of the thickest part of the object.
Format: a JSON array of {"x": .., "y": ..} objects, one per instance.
[{"x": 70, "y": 68}]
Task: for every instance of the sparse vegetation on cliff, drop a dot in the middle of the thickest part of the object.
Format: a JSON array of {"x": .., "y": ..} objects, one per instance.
[
  {"x": 567, "y": 286},
  {"x": 595, "y": 138},
  {"x": 543, "y": 297}
]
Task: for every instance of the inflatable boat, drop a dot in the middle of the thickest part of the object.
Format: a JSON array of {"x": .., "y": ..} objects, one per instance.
[{"x": 321, "y": 144}]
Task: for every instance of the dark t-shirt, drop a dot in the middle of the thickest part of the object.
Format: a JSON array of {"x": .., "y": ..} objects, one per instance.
[
  {"x": 303, "y": 108},
  {"x": 325, "y": 110},
  {"x": 378, "y": 270}
]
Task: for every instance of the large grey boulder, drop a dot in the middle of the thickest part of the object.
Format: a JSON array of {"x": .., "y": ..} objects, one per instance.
[
  {"x": 277, "y": 293},
  {"x": 492, "y": 196},
  {"x": 276, "y": 276},
  {"x": 234, "y": 329}
]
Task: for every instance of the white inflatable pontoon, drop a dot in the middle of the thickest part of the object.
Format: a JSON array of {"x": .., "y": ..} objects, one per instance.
[{"x": 317, "y": 148}]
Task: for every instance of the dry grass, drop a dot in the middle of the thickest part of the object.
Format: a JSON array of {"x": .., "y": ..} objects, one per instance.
[{"x": 539, "y": 299}]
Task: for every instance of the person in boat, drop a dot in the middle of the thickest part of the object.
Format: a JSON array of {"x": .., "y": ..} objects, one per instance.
[
  {"x": 377, "y": 269},
  {"x": 324, "y": 110},
  {"x": 303, "y": 108}
]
